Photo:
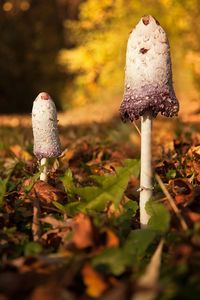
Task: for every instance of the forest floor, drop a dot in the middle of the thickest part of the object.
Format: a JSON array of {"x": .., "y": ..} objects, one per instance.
[{"x": 88, "y": 244}]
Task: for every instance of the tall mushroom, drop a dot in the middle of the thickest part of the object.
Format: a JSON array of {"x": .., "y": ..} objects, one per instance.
[
  {"x": 46, "y": 144},
  {"x": 148, "y": 91},
  {"x": 45, "y": 131}
]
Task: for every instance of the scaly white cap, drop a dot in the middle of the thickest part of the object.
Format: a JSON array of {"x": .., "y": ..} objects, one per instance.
[
  {"x": 45, "y": 129},
  {"x": 148, "y": 75}
]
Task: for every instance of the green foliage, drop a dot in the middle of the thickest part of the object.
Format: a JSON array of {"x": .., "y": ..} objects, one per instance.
[
  {"x": 137, "y": 243},
  {"x": 60, "y": 207},
  {"x": 32, "y": 248},
  {"x": 116, "y": 260},
  {"x": 109, "y": 188},
  {"x": 160, "y": 216},
  {"x": 171, "y": 174},
  {"x": 124, "y": 221},
  {"x": 100, "y": 37},
  {"x": 33, "y": 180},
  {"x": 4, "y": 182},
  {"x": 67, "y": 180},
  {"x": 3, "y": 187},
  {"x": 111, "y": 259}
]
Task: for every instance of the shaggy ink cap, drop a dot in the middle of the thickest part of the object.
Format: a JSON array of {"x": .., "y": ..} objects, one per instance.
[
  {"x": 45, "y": 129},
  {"x": 148, "y": 74}
]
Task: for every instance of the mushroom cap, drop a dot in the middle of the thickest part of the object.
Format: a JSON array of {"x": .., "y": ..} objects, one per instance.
[
  {"x": 148, "y": 74},
  {"x": 45, "y": 129}
]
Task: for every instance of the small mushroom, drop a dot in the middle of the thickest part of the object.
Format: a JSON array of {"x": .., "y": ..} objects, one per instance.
[
  {"x": 148, "y": 91},
  {"x": 45, "y": 131}
]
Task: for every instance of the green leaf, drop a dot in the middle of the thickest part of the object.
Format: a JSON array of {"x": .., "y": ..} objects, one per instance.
[
  {"x": 160, "y": 216},
  {"x": 32, "y": 248},
  {"x": 116, "y": 260},
  {"x": 110, "y": 187},
  {"x": 124, "y": 221},
  {"x": 4, "y": 184},
  {"x": 3, "y": 188},
  {"x": 34, "y": 178},
  {"x": 131, "y": 207},
  {"x": 67, "y": 180},
  {"x": 112, "y": 259},
  {"x": 171, "y": 174},
  {"x": 59, "y": 206},
  {"x": 138, "y": 242}
]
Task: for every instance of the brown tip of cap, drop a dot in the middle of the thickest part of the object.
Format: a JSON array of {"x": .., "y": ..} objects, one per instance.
[
  {"x": 145, "y": 20},
  {"x": 44, "y": 96}
]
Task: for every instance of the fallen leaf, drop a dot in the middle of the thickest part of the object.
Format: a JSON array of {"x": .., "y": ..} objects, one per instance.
[
  {"x": 182, "y": 191},
  {"x": 166, "y": 169},
  {"x": 50, "y": 292},
  {"x": 111, "y": 239},
  {"x": 19, "y": 152},
  {"x": 82, "y": 232},
  {"x": 181, "y": 146},
  {"x": 47, "y": 193},
  {"x": 193, "y": 216},
  {"x": 116, "y": 293},
  {"x": 59, "y": 232},
  {"x": 196, "y": 161},
  {"x": 95, "y": 283},
  {"x": 184, "y": 251},
  {"x": 67, "y": 154}
]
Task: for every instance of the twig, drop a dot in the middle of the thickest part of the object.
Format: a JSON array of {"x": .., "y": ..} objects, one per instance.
[
  {"x": 137, "y": 128},
  {"x": 36, "y": 228},
  {"x": 172, "y": 203}
]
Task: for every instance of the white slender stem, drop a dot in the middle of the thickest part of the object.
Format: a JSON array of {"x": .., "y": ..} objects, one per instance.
[
  {"x": 146, "y": 168},
  {"x": 43, "y": 175}
]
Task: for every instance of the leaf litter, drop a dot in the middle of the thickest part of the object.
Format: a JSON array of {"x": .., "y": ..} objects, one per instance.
[{"x": 90, "y": 245}]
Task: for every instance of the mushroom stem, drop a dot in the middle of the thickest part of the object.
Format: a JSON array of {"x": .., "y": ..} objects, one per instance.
[
  {"x": 146, "y": 167},
  {"x": 43, "y": 175}
]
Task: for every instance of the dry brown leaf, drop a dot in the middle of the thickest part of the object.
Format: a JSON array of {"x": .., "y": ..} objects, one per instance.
[
  {"x": 47, "y": 193},
  {"x": 181, "y": 146},
  {"x": 112, "y": 210},
  {"x": 193, "y": 216},
  {"x": 58, "y": 233},
  {"x": 67, "y": 154},
  {"x": 51, "y": 291},
  {"x": 196, "y": 161},
  {"x": 95, "y": 283},
  {"x": 82, "y": 232},
  {"x": 182, "y": 191},
  {"x": 44, "y": 292},
  {"x": 111, "y": 239},
  {"x": 20, "y": 153},
  {"x": 183, "y": 251}
]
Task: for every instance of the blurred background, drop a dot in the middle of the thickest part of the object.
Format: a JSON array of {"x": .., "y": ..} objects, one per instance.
[{"x": 75, "y": 49}]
